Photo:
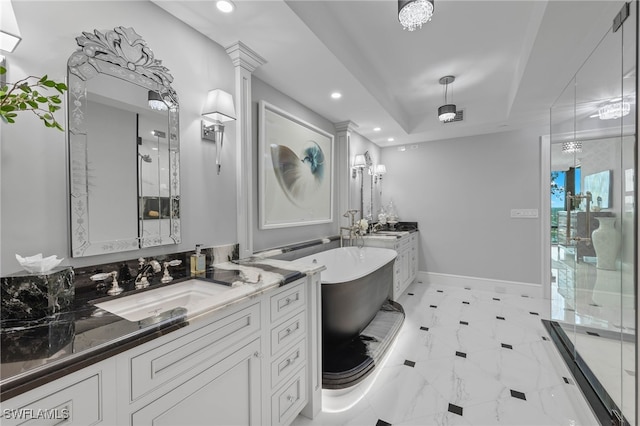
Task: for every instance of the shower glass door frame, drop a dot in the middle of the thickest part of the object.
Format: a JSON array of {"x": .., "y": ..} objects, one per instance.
[{"x": 594, "y": 302}]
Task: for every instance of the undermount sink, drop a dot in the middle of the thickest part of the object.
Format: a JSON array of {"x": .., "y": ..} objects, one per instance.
[{"x": 192, "y": 295}]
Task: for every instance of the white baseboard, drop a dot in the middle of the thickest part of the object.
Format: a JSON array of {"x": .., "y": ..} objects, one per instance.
[{"x": 486, "y": 284}]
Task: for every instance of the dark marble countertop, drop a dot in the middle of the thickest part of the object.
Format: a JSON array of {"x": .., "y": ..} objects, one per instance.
[
  {"x": 401, "y": 229},
  {"x": 35, "y": 352}
]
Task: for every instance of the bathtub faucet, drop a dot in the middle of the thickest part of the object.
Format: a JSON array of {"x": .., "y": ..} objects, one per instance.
[{"x": 352, "y": 228}]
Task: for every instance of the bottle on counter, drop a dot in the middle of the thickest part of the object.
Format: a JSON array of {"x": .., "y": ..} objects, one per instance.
[{"x": 198, "y": 261}]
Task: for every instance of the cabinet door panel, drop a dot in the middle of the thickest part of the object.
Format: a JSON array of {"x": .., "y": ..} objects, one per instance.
[
  {"x": 227, "y": 393},
  {"x": 77, "y": 399},
  {"x": 157, "y": 366}
]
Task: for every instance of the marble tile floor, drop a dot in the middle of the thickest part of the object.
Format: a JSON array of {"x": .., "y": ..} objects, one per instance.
[{"x": 464, "y": 357}]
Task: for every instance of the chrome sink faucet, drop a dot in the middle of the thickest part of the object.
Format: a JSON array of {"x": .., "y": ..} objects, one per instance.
[{"x": 145, "y": 269}]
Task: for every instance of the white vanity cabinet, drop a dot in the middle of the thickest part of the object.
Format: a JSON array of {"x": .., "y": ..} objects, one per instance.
[
  {"x": 207, "y": 374},
  {"x": 227, "y": 392},
  {"x": 81, "y": 398},
  {"x": 287, "y": 376},
  {"x": 405, "y": 269},
  {"x": 249, "y": 363}
]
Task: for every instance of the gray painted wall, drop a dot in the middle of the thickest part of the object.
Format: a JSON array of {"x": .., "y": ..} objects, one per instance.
[
  {"x": 268, "y": 238},
  {"x": 34, "y": 187},
  {"x": 461, "y": 191}
]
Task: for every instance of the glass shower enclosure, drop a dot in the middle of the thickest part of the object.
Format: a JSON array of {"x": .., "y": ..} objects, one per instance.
[{"x": 593, "y": 221}]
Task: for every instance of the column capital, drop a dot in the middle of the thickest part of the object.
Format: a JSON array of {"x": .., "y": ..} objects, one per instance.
[
  {"x": 345, "y": 126},
  {"x": 243, "y": 56}
]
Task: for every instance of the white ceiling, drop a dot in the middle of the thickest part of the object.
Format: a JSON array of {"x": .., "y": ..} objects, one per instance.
[{"x": 511, "y": 58}]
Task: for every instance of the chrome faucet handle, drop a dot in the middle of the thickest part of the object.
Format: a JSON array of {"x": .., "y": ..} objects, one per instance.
[
  {"x": 115, "y": 288},
  {"x": 166, "y": 278},
  {"x": 99, "y": 277}
]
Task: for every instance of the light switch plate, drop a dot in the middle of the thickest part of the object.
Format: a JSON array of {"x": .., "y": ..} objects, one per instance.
[{"x": 524, "y": 213}]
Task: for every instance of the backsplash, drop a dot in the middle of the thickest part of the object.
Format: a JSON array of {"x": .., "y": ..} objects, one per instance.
[{"x": 20, "y": 289}]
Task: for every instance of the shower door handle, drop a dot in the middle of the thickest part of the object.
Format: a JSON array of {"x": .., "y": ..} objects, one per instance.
[{"x": 577, "y": 238}]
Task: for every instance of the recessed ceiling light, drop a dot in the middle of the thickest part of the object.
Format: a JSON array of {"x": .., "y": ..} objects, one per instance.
[
  {"x": 390, "y": 140},
  {"x": 402, "y": 148},
  {"x": 336, "y": 95},
  {"x": 225, "y": 6},
  {"x": 376, "y": 129}
]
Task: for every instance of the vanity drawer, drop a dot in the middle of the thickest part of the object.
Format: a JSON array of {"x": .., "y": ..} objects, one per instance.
[
  {"x": 287, "y": 402},
  {"x": 288, "y": 332},
  {"x": 288, "y": 301},
  {"x": 175, "y": 358},
  {"x": 404, "y": 242},
  {"x": 287, "y": 363}
]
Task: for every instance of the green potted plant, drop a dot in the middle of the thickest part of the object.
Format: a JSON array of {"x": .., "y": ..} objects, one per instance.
[{"x": 31, "y": 94}]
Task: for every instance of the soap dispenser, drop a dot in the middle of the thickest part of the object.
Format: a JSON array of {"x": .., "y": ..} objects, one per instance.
[{"x": 198, "y": 261}]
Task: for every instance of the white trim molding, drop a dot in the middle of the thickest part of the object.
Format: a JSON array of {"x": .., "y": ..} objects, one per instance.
[
  {"x": 487, "y": 284},
  {"x": 343, "y": 136},
  {"x": 245, "y": 61}
]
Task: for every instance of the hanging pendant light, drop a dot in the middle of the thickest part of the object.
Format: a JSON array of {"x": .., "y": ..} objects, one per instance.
[
  {"x": 413, "y": 13},
  {"x": 446, "y": 112}
]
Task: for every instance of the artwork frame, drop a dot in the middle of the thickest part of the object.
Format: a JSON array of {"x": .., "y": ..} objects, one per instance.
[
  {"x": 600, "y": 186},
  {"x": 295, "y": 170}
]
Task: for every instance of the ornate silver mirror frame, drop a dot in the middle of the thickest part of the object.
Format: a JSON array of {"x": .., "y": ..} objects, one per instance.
[{"x": 120, "y": 53}]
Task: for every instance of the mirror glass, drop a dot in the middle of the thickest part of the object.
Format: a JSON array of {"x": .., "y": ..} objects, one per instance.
[{"x": 123, "y": 154}]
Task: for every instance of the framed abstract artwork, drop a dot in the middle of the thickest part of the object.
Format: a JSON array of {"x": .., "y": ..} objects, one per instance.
[{"x": 295, "y": 166}]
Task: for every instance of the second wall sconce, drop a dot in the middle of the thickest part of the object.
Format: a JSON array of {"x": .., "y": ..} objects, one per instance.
[
  {"x": 378, "y": 172},
  {"x": 218, "y": 109},
  {"x": 359, "y": 164}
]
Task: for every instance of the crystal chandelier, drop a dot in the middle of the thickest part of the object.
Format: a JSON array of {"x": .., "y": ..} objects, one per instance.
[
  {"x": 614, "y": 110},
  {"x": 413, "y": 13},
  {"x": 571, "y": 147},
  {"x": 446, "y": 112}
]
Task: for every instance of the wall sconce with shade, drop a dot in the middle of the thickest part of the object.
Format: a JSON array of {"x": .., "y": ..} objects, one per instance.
[
  {"x": 218, "y": 109},
  {"x": 380, "y": 170},
  {"x": 359, "y": 164},
  {"x": 9, "y": 31}
]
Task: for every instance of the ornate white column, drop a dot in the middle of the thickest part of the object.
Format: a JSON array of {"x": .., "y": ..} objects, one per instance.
[
  {"x": 343, "y": 163},
  {"x": 245, "y": 61}
]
